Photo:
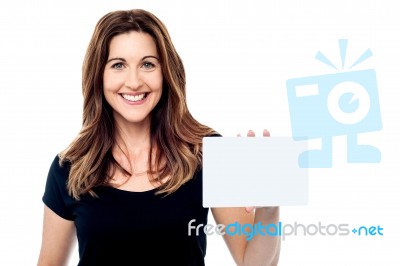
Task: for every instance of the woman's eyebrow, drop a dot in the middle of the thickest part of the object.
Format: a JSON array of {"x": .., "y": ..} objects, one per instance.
[
  {"x": 116, "y": 58},
  {"x": 150, "y": 56}
]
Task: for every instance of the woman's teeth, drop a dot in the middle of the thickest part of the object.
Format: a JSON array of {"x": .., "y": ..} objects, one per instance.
[{"x": 134, "y": 98}]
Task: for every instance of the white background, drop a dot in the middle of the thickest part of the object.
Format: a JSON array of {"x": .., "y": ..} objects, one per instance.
[{"x": 238, "y": 56}]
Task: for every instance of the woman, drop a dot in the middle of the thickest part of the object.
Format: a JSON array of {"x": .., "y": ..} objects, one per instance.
[{"x": 130, "y": 182}]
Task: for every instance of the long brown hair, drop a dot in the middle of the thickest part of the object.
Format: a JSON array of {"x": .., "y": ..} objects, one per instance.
[{"x": 175, "y": 134}]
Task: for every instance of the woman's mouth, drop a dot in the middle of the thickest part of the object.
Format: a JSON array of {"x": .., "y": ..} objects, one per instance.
[{"x": 135, "y": 98}]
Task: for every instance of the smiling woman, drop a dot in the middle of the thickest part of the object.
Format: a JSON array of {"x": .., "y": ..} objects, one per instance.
[
  {"x": 131, "y": 181},
  {"x": 133, "y": 78}
]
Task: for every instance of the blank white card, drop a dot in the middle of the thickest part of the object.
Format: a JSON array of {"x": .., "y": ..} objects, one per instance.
[{"x": 253, "y": 171}]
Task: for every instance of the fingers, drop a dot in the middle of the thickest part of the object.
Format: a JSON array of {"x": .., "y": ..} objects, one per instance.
[
  {"x": 266, "y": 133},
  {"x": 251, "y": 133},
  {"x": 249, "y": 209}
]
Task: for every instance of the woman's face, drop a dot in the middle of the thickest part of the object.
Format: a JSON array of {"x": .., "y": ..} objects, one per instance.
[{"x": 132, "y": 77}]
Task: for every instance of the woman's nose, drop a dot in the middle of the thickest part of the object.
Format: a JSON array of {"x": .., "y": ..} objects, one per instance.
[{"x": 133, "y": 80}]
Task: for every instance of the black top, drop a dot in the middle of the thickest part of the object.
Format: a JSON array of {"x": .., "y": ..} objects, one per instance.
[{"x": 131, "y": 228}]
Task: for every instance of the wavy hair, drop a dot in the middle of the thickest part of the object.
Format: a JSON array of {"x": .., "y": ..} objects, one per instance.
[{"x": 175, "y": 135}]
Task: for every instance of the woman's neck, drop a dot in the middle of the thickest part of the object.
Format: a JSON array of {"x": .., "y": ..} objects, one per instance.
[
  {"x": 132, "y": 146},
  {"x": 133, "y": 138}
]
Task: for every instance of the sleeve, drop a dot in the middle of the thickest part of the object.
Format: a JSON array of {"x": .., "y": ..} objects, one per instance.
[{"x": 56, "y": 195}]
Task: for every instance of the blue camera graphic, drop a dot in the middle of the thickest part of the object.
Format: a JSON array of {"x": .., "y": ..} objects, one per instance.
[{"x": 325, "y": 106}]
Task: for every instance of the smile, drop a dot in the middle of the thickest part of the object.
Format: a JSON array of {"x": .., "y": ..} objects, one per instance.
[{"x": 135, "y": 98}]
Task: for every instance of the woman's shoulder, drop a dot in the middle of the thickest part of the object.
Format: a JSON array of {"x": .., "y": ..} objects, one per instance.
[
  {"x": 214, "y": 134},
  {"x": 60, "y": 168}
]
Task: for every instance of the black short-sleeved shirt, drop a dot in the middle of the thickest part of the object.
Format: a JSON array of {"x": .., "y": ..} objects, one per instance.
[{"x": 132, "y": 228}]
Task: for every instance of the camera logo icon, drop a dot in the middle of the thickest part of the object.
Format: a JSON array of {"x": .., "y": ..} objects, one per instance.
[{"x": 325, "y": 106}]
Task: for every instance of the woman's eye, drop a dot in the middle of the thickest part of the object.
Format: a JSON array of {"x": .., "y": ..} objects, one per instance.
[
  {"x": 148, "y": 65},
  {"x": 118, "y": 66}
]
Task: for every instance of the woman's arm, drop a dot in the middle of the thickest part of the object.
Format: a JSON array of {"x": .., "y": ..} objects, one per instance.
[
  {"x": 260, "y": 249},
  {"x": 58, "y": 239}
]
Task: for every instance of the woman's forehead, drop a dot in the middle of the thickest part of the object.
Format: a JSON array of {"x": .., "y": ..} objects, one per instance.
[{"x": 132, "y": 44}]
